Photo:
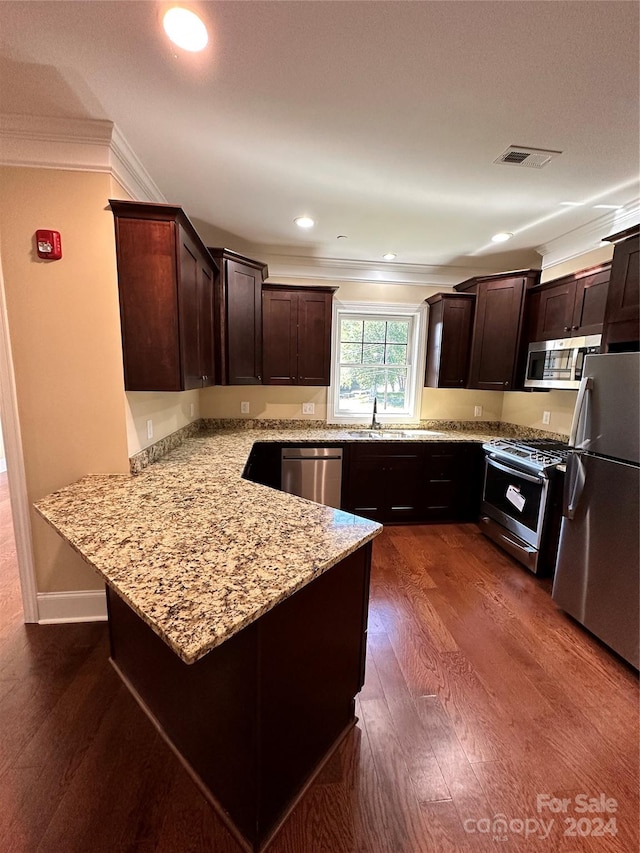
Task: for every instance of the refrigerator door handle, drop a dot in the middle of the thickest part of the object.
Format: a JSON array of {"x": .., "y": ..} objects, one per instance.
[
  {"x": 586, "y": 384},
  {"x": 573, "y": 487}
]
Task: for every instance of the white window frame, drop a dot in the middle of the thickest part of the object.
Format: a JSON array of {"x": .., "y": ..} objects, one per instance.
[{"x": 415, "y": 358}]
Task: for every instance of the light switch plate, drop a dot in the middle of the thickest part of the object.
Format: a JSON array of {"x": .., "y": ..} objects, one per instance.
[
  {"x": 149, "y": 428},
  {"x": 308, "y": 408},
  {"x": 192, "y": 409},
  {"x": 244, "y": 408},
  {"x": 546, "y": 417},
  {"x": 477, "y": 411}
]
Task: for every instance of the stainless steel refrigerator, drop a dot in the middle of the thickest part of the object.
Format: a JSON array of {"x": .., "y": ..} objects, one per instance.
[{"x": 598, "y": 566}]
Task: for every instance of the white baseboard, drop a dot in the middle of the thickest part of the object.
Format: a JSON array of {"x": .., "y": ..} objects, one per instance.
[{"x": 88, "y": 605}]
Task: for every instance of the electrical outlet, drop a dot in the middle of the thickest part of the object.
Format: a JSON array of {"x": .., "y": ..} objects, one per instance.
[
  {"x": 477, "y": 411},
  {"x": 308, "y": 408},
  {"x": 244, "y": 408},
  {"x": 192, "y": 409},
  {"x": 149, "y": 428},
  {"x": 546, "y": 417}
]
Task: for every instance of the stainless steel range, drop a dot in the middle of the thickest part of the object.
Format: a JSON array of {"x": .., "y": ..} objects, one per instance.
[{"x": 521, "y": 499}]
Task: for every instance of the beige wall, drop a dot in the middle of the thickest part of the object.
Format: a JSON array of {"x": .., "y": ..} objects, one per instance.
[
  {"x": 168, "y": 412},
  {"x": 527, "y": 409},
  {"x": 582, "y": 262},
  {"x": 65, "y": 334}
]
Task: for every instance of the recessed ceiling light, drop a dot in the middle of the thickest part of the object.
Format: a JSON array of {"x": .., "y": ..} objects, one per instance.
[
  {"x": 572, "y": 203},
  {"x": 608, "y": 206},
  {"x": 502, "y": 237},
  {"x": 185, "y": 29},
  {"x": 389, "y": 256},
  {"x": 304, "y": 222}
]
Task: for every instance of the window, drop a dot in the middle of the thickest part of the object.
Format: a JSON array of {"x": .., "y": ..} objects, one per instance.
[{"x": 375, "y": 354}]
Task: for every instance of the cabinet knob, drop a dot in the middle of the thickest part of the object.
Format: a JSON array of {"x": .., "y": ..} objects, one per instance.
[
  {"x": 575, "y": 328},
  {"x": 567, "y": 328},
  {"x": 506, "y": 384}
]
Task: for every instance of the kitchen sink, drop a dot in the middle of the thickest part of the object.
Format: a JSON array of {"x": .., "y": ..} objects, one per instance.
[{"x": 392, "y": 433}]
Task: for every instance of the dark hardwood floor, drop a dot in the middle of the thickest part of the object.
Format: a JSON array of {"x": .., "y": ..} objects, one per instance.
[{"x": 479, "y": 697}]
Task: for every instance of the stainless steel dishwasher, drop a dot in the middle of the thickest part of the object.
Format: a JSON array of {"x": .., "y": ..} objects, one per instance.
[{"x": 314, "y": 473}]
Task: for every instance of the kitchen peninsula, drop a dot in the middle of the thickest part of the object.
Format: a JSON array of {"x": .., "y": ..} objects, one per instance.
[
  {"x": 237, "y": 613},
  {"x": 237, "y": 617}
]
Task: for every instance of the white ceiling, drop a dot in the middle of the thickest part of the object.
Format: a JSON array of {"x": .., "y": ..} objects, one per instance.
[{"x": 379, "y": 119}]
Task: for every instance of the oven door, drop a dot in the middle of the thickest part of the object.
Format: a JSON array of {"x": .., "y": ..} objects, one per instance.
[{"x": 515, "y": 499}]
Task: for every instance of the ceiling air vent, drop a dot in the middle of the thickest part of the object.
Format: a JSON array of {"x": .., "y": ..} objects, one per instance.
[{"x": 532, "y": 158}]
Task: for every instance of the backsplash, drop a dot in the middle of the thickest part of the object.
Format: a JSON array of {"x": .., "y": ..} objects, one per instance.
[{"x": 139, "y": 461}]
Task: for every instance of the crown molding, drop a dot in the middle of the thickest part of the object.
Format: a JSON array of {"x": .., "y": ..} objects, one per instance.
[
  {"x": 286, "y": 268},
  {"x": 78, "y": 145},
  {"x": 589, "y": 236}
]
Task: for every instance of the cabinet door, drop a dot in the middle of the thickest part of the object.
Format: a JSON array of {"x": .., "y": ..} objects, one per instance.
[
  {"x": 146, "y": 253},
  {"x": 314, "y": 338},
  {"x": 206, "y": 324},
  {"x": 496, "y": 334},
  {"x": 622, "y": 317},
  {"x": 365, "y": 494},
  {"x": 189, "y": 296},
  {"x": 385, "y": 482},
  {"x": 554, "y": 311},
  {"x": 590, "y": 303},
  {"x": 243, "y": 291},
  {"x": 449, "y": 341},
  {"x": 279, "y": 337},
  {"x": 402, "y": 470}
]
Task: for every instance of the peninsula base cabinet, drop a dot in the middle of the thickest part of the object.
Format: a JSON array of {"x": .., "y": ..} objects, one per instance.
[
  {"x": 254, "y": 720},
  {"x": 414, "y": 482}
]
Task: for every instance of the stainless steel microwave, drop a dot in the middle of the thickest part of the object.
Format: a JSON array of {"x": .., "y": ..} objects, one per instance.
[{"x": 559, "y": 363}]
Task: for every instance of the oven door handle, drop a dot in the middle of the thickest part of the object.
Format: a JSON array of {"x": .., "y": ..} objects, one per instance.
[{"x": 491, "y": 460}]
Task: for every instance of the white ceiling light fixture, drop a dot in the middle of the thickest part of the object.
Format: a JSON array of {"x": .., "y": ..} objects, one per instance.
[
  {"x": 304, "y": 222},
  {"x": 501, "y": 237},
  {"x": 185, "y": 29},
  {"x": 389, "y": 256}
]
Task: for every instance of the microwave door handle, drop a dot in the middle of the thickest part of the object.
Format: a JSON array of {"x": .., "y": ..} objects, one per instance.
[
  {"x": 586, "y": 384},
  {"x": 573, "y": 487},
  {"x": 516, "y": 473}
]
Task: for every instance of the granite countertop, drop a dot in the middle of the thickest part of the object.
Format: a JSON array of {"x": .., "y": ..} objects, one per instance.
[{"x": 198, "y": 552}]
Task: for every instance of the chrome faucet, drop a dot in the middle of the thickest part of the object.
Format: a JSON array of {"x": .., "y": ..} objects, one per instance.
[{"x": 374, "y": 422}]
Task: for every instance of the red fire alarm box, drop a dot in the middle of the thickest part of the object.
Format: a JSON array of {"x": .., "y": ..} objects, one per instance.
[{"x": 49, "y": 245}]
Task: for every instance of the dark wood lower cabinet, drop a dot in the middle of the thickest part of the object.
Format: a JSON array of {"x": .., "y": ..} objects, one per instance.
[
  {"x": 256, "y": 717},
  {"x": 452, "y": 484},
  {"x": 414, "y": 482}
]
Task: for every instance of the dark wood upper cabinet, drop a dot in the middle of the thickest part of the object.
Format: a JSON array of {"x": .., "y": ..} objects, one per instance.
[
  {"x": 571, "y": 306},
  {"x": 449, "y": 339},
  {"x": 165, "y": 284},
  {"x": 238, "y": 316},
  {"x": 296, "y": 334},
  {"x": 622, "y": 316},
  {"x": 497, "y": 328}
]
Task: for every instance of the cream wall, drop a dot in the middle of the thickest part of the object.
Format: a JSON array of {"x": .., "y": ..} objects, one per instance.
[
  {"x": 589, "y": 259},
  {"x": 168, "y": 412},
  {"x": 527, "y": 409},
  {"x": 65, "y": 334}
]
